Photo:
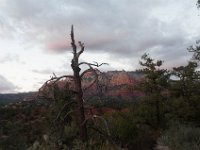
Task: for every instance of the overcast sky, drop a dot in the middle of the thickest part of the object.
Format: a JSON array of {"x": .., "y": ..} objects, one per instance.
[{"x": 35, "y": 40}]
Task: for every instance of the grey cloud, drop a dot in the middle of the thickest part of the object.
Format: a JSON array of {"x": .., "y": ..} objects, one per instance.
[
  {"x": 6, "y": 86},
  {"x": 45, "y": 71},
  {"x": 122, "y": 28},
  {"x": 9, "y": 58},
  {"x": 50, "y": 72}
]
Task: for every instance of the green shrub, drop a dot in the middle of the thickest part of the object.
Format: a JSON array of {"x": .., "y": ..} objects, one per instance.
[
  {"x": 70, "y": 131},
  {"x": 122, "y": 128},
  {"x": 181, "y": 137}
]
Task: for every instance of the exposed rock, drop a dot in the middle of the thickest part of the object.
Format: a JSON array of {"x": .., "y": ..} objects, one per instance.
[
  {"x": 117, "y": 84},
  {"x": 114, "y": 84}
]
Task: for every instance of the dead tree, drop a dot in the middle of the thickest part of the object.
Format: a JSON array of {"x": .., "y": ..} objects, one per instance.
[
  {"x": 80, "y": 115},
  {"x": 79, "y": 112},
  {"x": 78, "y": 91}
]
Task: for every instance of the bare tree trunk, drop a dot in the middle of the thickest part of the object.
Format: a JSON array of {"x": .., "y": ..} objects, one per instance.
[
  {"x": 79, "y": 112},
  {"x": 78, "y": 91}
]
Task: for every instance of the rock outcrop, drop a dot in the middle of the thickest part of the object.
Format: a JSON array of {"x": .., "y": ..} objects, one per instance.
[
  {"x": 114, "y": 84},
  {"x": 111, "y": 84}
]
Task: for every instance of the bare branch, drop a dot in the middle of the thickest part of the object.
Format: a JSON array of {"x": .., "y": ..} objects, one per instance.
[
  {"x": 99, "y": 131},
  {"x": 54, "y": 74},
  {"x": 92, "y": 64},
  {"x": 73, "y": 41},
  {"x": 90, "y": 84},
  {"x": 109, "y": 138},
  {"x": 91, "y": 69},
  {"x": 86, "y": 71},
  {"x": 68, "y": 113},
  {"x": 94, "y": 81},
  {"x": 93, "y": 117},
  {"x": 64, "y": 106},
  {"x": 80, "y": 116},
  {"x": 53, "y": 80},
  {"x": 82, "y": 48}
]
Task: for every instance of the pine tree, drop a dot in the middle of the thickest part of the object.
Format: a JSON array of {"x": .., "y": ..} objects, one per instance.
[{"x": 154, "y": 86}]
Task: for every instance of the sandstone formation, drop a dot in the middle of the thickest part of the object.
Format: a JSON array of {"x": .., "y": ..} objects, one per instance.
[{"x": 111, "y": 84}]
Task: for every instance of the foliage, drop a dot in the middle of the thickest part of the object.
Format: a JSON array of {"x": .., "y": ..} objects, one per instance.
[
  {"x": 128, "y": 131},
  {"x": 122, "y": 129},
  {"x": 181, "y": 137},
  {"x": 198, "y": 4},
  {"x": 196, "y": 48},
  {"x": 187, "y": 83},
  {"x": 44, "y": 124},
  {"x": 154, "y": 86},
  {"x": 22, "y": 121},
  {"x": 155, "y": 79},
  {"x": 111, "y": 103},
  {"x": 184, "y": 102}
]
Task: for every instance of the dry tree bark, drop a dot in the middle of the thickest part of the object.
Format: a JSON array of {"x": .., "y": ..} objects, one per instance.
[
  {"x": 77, "y": 91},
  {"x": 79, "y": 112},
  {"x": 80, "y": 115}
]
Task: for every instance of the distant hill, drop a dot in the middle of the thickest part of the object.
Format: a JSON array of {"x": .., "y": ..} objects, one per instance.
[
  {"x": 110, "y": 85},
  {"x": 12, "y": 98},
  {"x": 113, "y": 84}
]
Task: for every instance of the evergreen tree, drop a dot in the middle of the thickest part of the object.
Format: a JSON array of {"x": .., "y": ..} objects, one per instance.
[
  {"x": 195, "y": 50},
  {"x": 154, "y": 86},
  {"x": 187, "y": 81}
]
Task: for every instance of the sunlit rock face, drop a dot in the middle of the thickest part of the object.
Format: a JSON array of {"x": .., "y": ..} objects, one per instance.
[
  {"x": 114, "y": 84},
  {"x": 111, "y": 84}
]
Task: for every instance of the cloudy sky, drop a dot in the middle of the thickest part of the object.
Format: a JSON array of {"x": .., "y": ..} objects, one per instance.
[{"x": 35, "y": 41}]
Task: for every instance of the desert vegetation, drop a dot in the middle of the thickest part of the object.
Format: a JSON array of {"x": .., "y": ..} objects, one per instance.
[
  {"x": 153, "y": 108},
  {"x": 165, "y": 111}
]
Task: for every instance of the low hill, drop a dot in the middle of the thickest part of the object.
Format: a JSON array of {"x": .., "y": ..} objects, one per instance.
[
  {"x": 12, "y": 98},
  {"x": 109, "y": 85}
]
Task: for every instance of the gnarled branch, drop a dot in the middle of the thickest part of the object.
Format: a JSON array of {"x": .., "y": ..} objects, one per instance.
[
  {"x": 92, "y": 64},
  {"x": 86, "y": 71},
  {"x": 93, "y": 117},
  {"x": 56, "y": 79},
  {"x": 53, "y": 80},
  {"x": 73, "y": 41},
  {"x": 91, "y": 69},
  {"x": 82, "y": 48},
  {"x": 94, "y": 81}
]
